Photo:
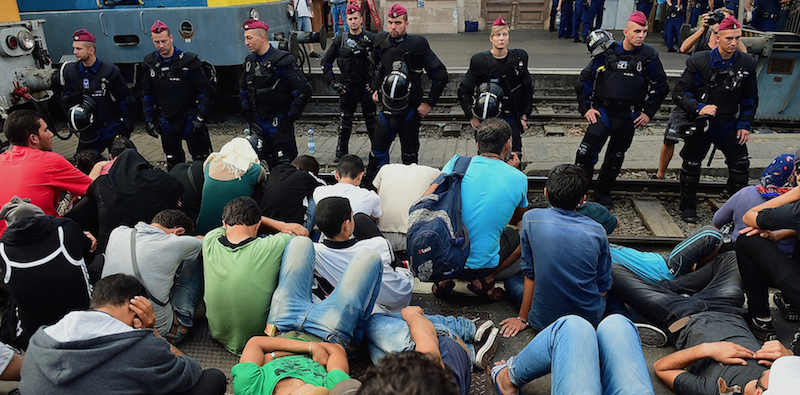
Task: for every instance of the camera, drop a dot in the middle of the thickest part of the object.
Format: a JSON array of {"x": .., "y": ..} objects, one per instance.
[{"x": 715, "y": 17}]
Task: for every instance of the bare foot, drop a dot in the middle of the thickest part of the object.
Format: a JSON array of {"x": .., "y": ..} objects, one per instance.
[{"x": 504, "y": 382}]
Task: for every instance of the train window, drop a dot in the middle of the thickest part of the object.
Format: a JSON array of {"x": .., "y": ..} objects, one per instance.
[
  {"x": 187, "y": 29},
  {"x": 126, "y": 40}
]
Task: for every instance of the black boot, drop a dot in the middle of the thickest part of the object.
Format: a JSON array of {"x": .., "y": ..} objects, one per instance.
[
  {"x": 345, "y": 129},
  {"x": 690, "y": 180}
]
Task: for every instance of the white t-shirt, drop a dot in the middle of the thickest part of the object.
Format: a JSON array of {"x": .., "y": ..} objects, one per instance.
[
  {"x": 361, "y": 200},
  {"x": 396, "y": 284},
  {"x": 399, "y": 186},
  {"x": 301, "y": 7}
]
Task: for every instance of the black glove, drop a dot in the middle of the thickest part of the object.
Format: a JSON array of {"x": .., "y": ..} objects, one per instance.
[
  {"x": 338, "y": 87},
  {"x": 199, "y": 127},
  {"x": 151, "y": 129},
  {"x": 127, "y": 127}
]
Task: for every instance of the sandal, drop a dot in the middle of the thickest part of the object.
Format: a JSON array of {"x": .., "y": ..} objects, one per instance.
[
  {"x": 177, "y": 332},
  {"x": 494, "y": 372},
  {"x": 443, "y": 288},
  {"x": 487, "y": 291}
]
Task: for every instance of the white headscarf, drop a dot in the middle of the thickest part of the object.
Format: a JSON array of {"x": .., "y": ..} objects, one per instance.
[{"x": 236, "y": 155}]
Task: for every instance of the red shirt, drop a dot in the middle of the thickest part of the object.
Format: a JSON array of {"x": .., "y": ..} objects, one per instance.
[{"x": 39, "y": 175}]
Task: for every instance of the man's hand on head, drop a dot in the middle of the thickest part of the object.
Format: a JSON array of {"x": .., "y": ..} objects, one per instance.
[{"x": 143, "y": 309}]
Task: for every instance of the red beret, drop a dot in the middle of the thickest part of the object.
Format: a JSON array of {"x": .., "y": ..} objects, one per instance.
[
  {"x": 397, "y": 10},
  {"x": 254, "y": 24},
  {"x": 352, "y": 8},
  {"x": 83, "y": 35},
  {"x": 499, "y": 21},
  {"x": 159, "y": 27},
  {"x": 638, "y": 18},
  {"x": 729, "y": 23}
]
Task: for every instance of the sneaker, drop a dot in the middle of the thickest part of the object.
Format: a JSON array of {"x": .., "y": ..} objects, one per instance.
[
  {"x": 485, "y": 354},
  {"x": 672, "y": 50},
  {"x": 788, "y": 311},
  {"x": 795, "y": 346},
  {"x": 651, "y": 336},
  {"x": 314, "y": 54},
  {"x": 689, "y": 215},
  {"x": 605, "y": 200},
  {"x": 482, "y": 330},
  {"x": 762, "y": 330},
  {"x": 576, "y": 40}
]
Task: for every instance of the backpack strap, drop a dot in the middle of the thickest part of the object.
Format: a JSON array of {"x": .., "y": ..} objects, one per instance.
[
  {"x": 136, "y": 271},
  {"x": 462, "y": 163}
]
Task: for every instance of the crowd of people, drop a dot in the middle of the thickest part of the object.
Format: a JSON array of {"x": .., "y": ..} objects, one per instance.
[{"x": 105, "y": 262}]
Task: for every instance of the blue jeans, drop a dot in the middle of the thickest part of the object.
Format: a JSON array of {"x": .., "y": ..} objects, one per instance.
[
  {"x": 186, "y": 293},
  {"x": 585, "y": 361},
  {"x": 388, "y": 333},
  {"x": 338, "y": 10},
  {"x": 342, "y": 317}
]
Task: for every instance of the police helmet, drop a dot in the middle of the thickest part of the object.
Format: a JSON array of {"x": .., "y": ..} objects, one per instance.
[
  {"x": 690, "y": 128},
  {"x": 487, "y": 102},
  {"x": 598, "y": 41},
  {"x": 81, "y": 115},
  {"x": 396, "y": 88},
  {"x": 255, "y": 140}
]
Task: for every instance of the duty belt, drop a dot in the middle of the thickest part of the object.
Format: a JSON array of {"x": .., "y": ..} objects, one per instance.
[
  {"x": 769, "y": 15},
  {"x": 616, "y": 105}
]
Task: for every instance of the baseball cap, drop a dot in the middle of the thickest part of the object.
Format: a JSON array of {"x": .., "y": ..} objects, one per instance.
[{"x": 784, "y": 376}]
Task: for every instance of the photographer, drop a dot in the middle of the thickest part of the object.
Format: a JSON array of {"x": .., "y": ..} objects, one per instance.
[{"x": 704, "y": 37}]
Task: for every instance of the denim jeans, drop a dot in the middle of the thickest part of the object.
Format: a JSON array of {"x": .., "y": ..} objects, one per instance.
[
  {"x": 338, "y": 10},
  {"x": 388, "y": 333},
  {"x": 716, "y": 286},
  {"x": 186, "y": 293},
  {"x": 585, "y": 361},
  {"x": 342, "y": 317}
]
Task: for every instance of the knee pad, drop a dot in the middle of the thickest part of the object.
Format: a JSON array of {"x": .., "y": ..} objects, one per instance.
[
  {"x": 378, "y": 158},
  {"x": 614, "y": 161},
  {"x": 347, "y": 118},
  {"x": 738, "y": 174},
  {"x": 691, "y": 168},
  {"x": 586, "y": 155},
  {"x": 740, "y": 165}
]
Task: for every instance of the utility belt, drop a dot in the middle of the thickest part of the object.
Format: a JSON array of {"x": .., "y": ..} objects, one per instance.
[
  {"x": 768, "y": 15},
  {"x": 700, "y": 6},
  {"x": 273, "y": 118},
  {"x": 616, "y": 105},
  {"x": 182, "y": 115},
  {"x": 638, "y": 2}
]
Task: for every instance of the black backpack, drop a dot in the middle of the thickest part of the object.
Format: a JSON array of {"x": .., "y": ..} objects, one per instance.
[{"x": 438, "y": 243}]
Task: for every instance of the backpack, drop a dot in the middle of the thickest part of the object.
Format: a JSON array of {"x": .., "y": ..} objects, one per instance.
[{"x": 438, "y": 243}]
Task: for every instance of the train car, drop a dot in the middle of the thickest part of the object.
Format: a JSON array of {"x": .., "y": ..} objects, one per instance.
[
  {"x": 210, "y": 28},
  {"x": 25, "y": 67}
]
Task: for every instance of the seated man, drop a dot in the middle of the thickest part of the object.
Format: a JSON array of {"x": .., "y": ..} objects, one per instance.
[
  {"x": 493, "y": 194},
  {"x": 287, "y": 192},
  {"x": 399, "y": 186},
  {"x": 342, "y": 316},
  {"x": 332, "y": 256},
  {"x": 764, "y": 265},
  {"x": 29, "y": 170},
  {"x": 118, "y": 146},
  {"x": 112, "y": 349},
  {"x": 567, "y": 280},
  {"x": 43, "y": 267},
  {"x": 161, "y": 252},
  {"x": 349, "y": 173},
  {"x": 582, "y": 360},
  {"x": 10, "y": 363},
  {"x": 399, "y": 341},
  {"x": 240, "y": 271},
  {"x": 272, "y": 365},
  {"x": 190, "y": 175}
]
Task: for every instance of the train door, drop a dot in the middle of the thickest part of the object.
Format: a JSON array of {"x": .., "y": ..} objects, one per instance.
[{"x": 519, "y": 14}]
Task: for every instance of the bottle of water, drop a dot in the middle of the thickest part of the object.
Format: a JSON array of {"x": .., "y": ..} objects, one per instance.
[{"x": 312, "y": 144}]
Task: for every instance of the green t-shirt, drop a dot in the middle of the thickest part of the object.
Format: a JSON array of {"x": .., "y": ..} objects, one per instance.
[
  {"x": 250, "y": 379},
  {"x": 239, "y": 283}
]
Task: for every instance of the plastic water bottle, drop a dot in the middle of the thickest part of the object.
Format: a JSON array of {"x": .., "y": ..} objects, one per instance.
[{"x": 312, "y": 144}]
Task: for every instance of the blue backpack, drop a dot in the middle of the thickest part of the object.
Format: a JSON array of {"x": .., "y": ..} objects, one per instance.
[{"x": 437, "y": 241}]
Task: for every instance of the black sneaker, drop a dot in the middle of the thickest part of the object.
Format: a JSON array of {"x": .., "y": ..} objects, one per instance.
[
  {"x": 689, "y": 215},
  {"x": 576, "y": 40},
  {"x": 788, "y": 311},
  {"x": 651, "y": 336},
  {"x": 672, "y": 50},
  {"x": 795, "y": 346},
  {"x": 313, "y": 54},
  {"x": 763, "y": 331}
]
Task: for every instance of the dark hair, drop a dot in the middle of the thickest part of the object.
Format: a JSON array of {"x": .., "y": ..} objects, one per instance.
[
  {"x": 116, "y": 290},
  {"x": 21, "y": 124},
  {"x": 566, "y": 186},
  {"x": 350, "y": 166},
  {"x": 408, "y": 373},
  {"x": 86, "y": 159},
  {"x": 173, "y": 218},
  {"x": 242, "y": 210},
  {"x": 118, "y": 145},
  {"x": 492, "y": 135},
  {"x": 331, "y": 213},
  {"x": 306, "y": 163}
]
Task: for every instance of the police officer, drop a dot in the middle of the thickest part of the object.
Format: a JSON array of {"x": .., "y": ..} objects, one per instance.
[
  {"x": 721, "y": 85},
  {"x": 768, "y": 14},
  {"x": 101, "y": 106},
  {"x": 592, "y": 17},
  {"x": 177, "y": 97},
  {"x": 699, "y": 7},
  {"x": 351, "y": 50},
  {"x": 676, "y": 17},
  {"x": 273, "y": 93},
  {"x": 400, "y": 59},
  {"x": 621, "y": 89},
  {"x": 507, "y": 68}
]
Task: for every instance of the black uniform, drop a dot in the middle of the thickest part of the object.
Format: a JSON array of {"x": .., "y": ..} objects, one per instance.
[
  {"x": 351, "y": 53},
  {"x": 113, "y": 114},
  {"x": 620, "y": 85},
  {"x": 731, "y": 86},
  {"x": 178, "y": 93},
  {"x": 511, "y": 73},
  {"x": 274, "y": 92},
  {"x": 415, "y": 53}
]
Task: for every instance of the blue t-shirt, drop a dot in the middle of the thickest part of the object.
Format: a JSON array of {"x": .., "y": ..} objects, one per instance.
[
  {"x": 490, "y": 192},
  {"x": 650, "y": 266},
  {"x": 457, "y": 360},
  {"x": 567, "y": 254}
]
